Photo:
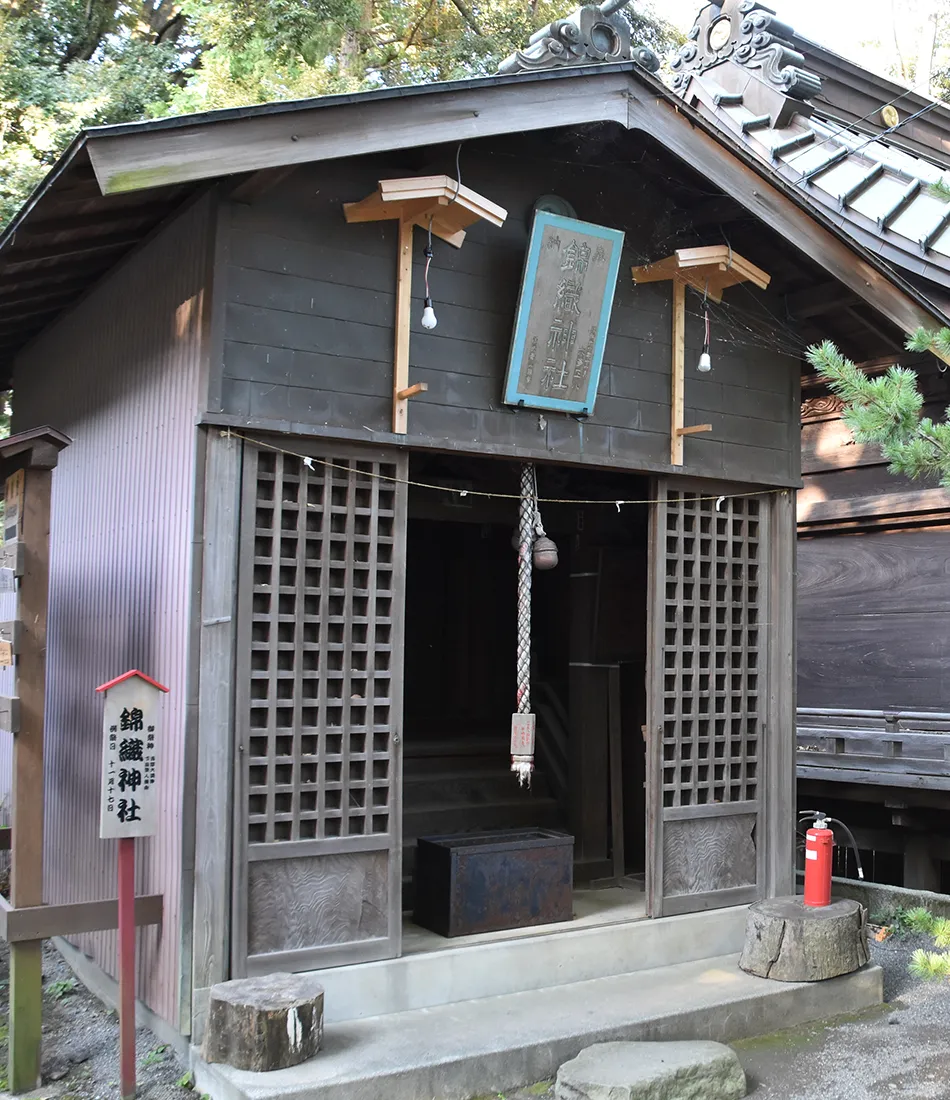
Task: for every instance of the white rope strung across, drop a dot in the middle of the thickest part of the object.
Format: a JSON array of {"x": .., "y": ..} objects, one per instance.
[{"x": 522, "y": 722}]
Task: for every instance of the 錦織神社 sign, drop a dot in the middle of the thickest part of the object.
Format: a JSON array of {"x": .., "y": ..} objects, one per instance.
[
  {"x": 567, "y": 292},
  {"x": 130, "y": 751}
]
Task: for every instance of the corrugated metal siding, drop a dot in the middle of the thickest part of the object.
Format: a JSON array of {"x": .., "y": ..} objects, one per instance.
[{"x": 121, "y": 376}]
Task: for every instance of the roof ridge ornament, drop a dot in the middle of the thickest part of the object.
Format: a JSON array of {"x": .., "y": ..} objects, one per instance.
[
  {"x": 746, "y": 33},
  {"x": 593, "y": 34}
]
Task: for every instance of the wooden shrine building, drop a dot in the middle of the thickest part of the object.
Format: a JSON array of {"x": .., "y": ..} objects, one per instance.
[{"x": 293, "y": 501}]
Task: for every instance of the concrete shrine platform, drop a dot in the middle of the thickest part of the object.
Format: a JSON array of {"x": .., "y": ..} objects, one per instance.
[{"x": 435, "y": 1040}]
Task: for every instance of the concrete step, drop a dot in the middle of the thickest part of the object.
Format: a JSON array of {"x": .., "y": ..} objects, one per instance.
[
  {"x": 555, "y": 954},
  {"x": 489, "y": 1046}
]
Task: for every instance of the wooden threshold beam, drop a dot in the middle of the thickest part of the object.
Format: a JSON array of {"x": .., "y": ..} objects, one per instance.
[{"x": 43, "y": 922}]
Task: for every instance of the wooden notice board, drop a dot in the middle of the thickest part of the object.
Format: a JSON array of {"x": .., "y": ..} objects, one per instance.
[{"x": 567, "y": 292}]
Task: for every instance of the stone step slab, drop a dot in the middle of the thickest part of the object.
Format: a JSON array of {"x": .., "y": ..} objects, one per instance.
[{"x": 652, "y": 1071}]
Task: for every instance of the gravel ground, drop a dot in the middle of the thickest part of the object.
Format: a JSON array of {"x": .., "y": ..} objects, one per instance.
[
  {"x": 81, "y": 1042},
  {"x": 900, "y": 1051}
]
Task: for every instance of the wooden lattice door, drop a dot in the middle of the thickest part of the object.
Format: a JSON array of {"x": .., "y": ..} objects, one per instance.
[
  {"x": 709, "y": 637},
  {"x": 317, "y": 803}
]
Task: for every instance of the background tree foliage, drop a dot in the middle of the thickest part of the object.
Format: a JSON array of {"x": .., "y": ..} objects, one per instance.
[{"x": 68, "y": 64}]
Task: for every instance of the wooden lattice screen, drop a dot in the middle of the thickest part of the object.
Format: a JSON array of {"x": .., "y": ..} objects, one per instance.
[
  {"x": 709, "y": 662},
  {"x": 319, "y": 695}
]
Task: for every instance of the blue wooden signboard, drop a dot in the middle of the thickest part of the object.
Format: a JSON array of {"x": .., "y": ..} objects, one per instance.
[{"x": 567, "y": 292}]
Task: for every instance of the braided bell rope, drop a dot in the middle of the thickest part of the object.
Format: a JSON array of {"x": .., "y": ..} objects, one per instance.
[{"x": 528, "y": 508}]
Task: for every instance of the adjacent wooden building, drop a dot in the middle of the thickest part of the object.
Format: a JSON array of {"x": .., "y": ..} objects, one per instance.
[
  {"x": 332, "y": 603},
  {"x": 873, "y": 593}
]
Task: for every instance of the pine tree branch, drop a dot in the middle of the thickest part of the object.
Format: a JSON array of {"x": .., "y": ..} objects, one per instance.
[{"x": 886, "y": 411}]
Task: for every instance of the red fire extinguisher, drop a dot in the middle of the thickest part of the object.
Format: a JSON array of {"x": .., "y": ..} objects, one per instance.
[{"x": 819, "y": 848}]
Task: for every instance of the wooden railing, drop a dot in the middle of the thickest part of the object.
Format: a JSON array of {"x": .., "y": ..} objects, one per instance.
[{"x": 883, "y": 748}]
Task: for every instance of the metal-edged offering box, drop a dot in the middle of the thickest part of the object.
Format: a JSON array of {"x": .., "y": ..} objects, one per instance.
[{"x": 489, "y": 881}]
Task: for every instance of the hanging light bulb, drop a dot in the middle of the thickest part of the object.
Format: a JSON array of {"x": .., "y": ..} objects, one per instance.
[
  {"x": 429, "y": 319},
  {"x": 704, "y": 366}
]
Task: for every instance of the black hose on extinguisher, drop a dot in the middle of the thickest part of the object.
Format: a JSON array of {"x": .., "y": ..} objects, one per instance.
[{"x": 814, "y": 815}]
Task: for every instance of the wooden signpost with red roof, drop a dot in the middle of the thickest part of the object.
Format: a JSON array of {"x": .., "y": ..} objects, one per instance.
[{"x": 131, "y": 745}]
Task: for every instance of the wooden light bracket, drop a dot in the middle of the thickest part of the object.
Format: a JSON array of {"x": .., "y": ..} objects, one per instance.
[
  {"x": 709, "y": 270},
  {"x": 436, "y": 202}
]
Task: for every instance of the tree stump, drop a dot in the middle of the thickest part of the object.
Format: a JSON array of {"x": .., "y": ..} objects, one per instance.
[
  {"x": 792, "y": 942},
  {"x": 264, "y": 1023}
]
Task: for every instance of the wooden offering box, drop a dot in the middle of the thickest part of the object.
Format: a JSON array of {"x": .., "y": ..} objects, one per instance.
[{"x": 485, "y": 882}]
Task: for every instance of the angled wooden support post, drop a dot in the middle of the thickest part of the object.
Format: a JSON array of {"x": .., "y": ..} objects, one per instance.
[
  {"x": 677, "y": 398},
  {"x": 709, "y": 270},
  {"x": 438, "y": 204},
  {"x": 27, "y": 462},
  {"x": 403, "y": 321}
]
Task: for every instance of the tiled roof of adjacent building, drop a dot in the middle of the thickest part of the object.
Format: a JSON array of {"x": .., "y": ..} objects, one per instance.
[{"x": 740, "y": 69}]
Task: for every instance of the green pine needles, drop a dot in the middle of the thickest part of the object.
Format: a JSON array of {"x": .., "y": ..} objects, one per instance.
[
  {"x": 886, "y": 411},
  {"x": 929, "y": 965}
]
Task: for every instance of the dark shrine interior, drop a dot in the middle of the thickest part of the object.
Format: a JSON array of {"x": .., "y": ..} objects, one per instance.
[{"x": 460, "y": 657}]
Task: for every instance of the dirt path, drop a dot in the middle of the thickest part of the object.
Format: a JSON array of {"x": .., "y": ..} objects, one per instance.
[{"x": 81, "y": 1042}]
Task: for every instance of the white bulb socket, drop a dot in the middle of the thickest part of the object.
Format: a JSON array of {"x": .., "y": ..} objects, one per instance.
[
  {"x": 429, "y": 319},
  {"x": 704, "y": 366}
]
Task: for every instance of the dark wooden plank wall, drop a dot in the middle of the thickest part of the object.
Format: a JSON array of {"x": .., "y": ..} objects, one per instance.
[
  {"x": 308, "y": 329},
  {"x": 873, "y": 602},
  {"x": 874, "y": 620}
]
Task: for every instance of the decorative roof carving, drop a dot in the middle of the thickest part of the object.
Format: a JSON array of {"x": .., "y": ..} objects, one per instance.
[
  {"x": 590, "y": 35},
  {"x": 739, "y": 70},
  {"x": 748, "y": 34},
  {"x": 823, "y": 407}
]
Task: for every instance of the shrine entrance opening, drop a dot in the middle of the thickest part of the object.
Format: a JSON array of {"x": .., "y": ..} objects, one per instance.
[{"x": 588, "y": 640}]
